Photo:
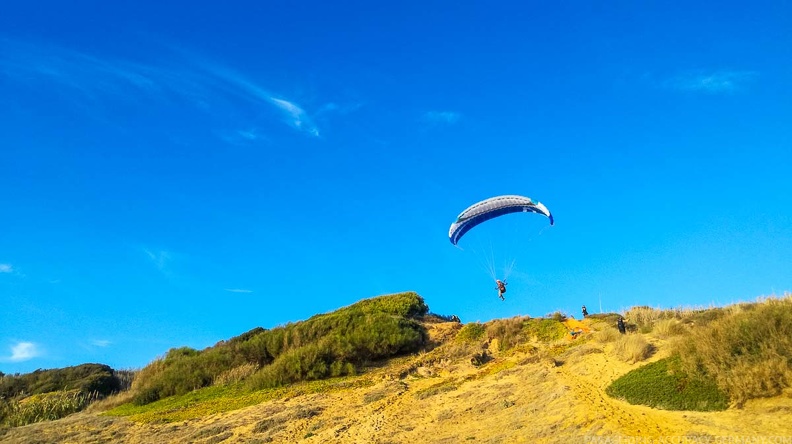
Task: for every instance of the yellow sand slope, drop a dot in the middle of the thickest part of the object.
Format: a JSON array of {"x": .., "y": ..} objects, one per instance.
[{"x": 522, "y": 397}]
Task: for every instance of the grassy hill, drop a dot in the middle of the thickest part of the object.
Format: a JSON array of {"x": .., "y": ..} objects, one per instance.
[{"x": 384, "y": 370}]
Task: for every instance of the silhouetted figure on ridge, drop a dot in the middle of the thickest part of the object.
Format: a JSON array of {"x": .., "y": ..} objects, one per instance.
[{"x": 620, "y": 325}]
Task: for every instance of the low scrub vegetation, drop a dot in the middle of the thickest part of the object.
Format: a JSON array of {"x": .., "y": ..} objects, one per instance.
[
  {"x": 85, "y": 378},
  {"x": 52, "y": 394},
  {"x": 44, "y": 407},
  {"x": 236, "y": 374},
  {"x": 665, "y": 385},
  {"x": 512, "y": 331},
  {"x": 326, "y": 345},
  {"x": 545, "y": 330},
  {"x": 667, "y": 328},
  {"x": 607, "y": 334},
  {"x": 632, "y": 348},
  {"x": 472, "y": 332},
  {"x": 748, "y": 353}
]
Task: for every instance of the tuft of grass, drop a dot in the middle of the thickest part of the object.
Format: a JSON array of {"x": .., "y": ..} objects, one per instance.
[
  {"x": 607, "y": 334},
  {"x": 665, "y": 385},
  {"x": 509, "y": 332},
  {"x": 645, "y": 317},
  {"x": 557, "y": 316},
  {"x": 633, "y": 348},
  {"x": 236, "y": 374},
  {"x": 607, "y": 318},
  {"x": 43, "y": 407},
  {"x": 471, "y": 332},
  {"x": 667, "y": 328},
  {"x": 748, "y": 352},
  {"x": 110, "y": 402}
]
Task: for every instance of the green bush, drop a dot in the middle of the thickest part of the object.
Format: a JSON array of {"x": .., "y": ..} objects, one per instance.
[
  {"x": 665, "y": 385},
  {"x": 508, "y": 332},
  {"x": 471, "y": 332},
  {"x": 325, "y": 345},
  {"x": 545, "y": 330},
  {"x": 85, "y": 378},
  {"x": 557, "y": 316}
]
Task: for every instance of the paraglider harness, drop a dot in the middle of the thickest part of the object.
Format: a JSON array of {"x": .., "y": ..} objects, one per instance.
[{"x": 501, "y": 288}]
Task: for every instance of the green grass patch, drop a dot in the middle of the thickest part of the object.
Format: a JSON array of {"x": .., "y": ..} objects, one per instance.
[
  {"x": 471, "y": 332},
  {"x": 494, "y": 368},
  {"x": 544, "y": 330},
  {"x": 219, "y": 399},
  {"x": 664, "y": 385}
]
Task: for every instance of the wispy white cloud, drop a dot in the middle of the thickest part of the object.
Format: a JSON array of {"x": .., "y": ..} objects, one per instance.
[
  {"x": 23, "y": 351},
  {"x": 6, "y": 268},
  {"x": 159, "y": 258},
  {"x": 297, "y": 116},
  {"x": 713, "y": 82},
  {"x": 342, "y": 109},
  {"x": 208, "y": 86},
  {"x": 441, "y": 117},
  {"x": 101, "y": 342},
  {"x": 241, "y": 137},
  {"x": 238, "y": 290},
  {"x": 250, "y": 134}
]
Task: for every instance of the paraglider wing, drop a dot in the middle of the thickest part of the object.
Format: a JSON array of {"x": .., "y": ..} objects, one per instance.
[{"x": 491, "y": 208}]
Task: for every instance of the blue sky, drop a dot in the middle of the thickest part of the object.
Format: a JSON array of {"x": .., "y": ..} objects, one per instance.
[{"x": 176, "y": 174}]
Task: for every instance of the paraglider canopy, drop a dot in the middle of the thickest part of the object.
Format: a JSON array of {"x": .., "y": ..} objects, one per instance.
[{"x": 491, "y": 208}]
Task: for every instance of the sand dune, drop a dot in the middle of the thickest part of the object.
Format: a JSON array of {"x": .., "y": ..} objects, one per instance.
[{"x": 522, "y": 397}]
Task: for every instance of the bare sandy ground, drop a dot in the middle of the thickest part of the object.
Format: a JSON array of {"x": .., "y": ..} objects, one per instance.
[{"x": 530, "y": 400}]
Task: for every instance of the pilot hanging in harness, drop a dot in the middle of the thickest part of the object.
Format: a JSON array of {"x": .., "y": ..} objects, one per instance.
[{"x": 501, "y": 288}]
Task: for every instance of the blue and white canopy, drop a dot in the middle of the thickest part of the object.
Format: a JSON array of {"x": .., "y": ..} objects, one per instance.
[{"x": 492, "y": 208}]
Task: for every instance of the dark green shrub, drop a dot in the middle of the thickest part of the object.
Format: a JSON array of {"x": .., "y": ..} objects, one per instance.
[
  {"x": 86, "y": 378},
  {"x": 665, "y": 385}
]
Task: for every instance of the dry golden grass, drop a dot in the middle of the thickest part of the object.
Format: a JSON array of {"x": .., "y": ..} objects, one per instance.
[
  {"x": 111, "y": 401},
  {"x": 748, "y": 353},
  {"x": 236, "y": 374},
  {"x": 633, "y": 348},
  {"x": 667, "y": 328},
  {"x": 606, "y": 335}
]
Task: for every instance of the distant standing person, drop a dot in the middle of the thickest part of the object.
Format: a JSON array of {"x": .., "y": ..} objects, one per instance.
[
  {"x": 620, "y": 325},
  {"x": 585, "y": 312}
]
